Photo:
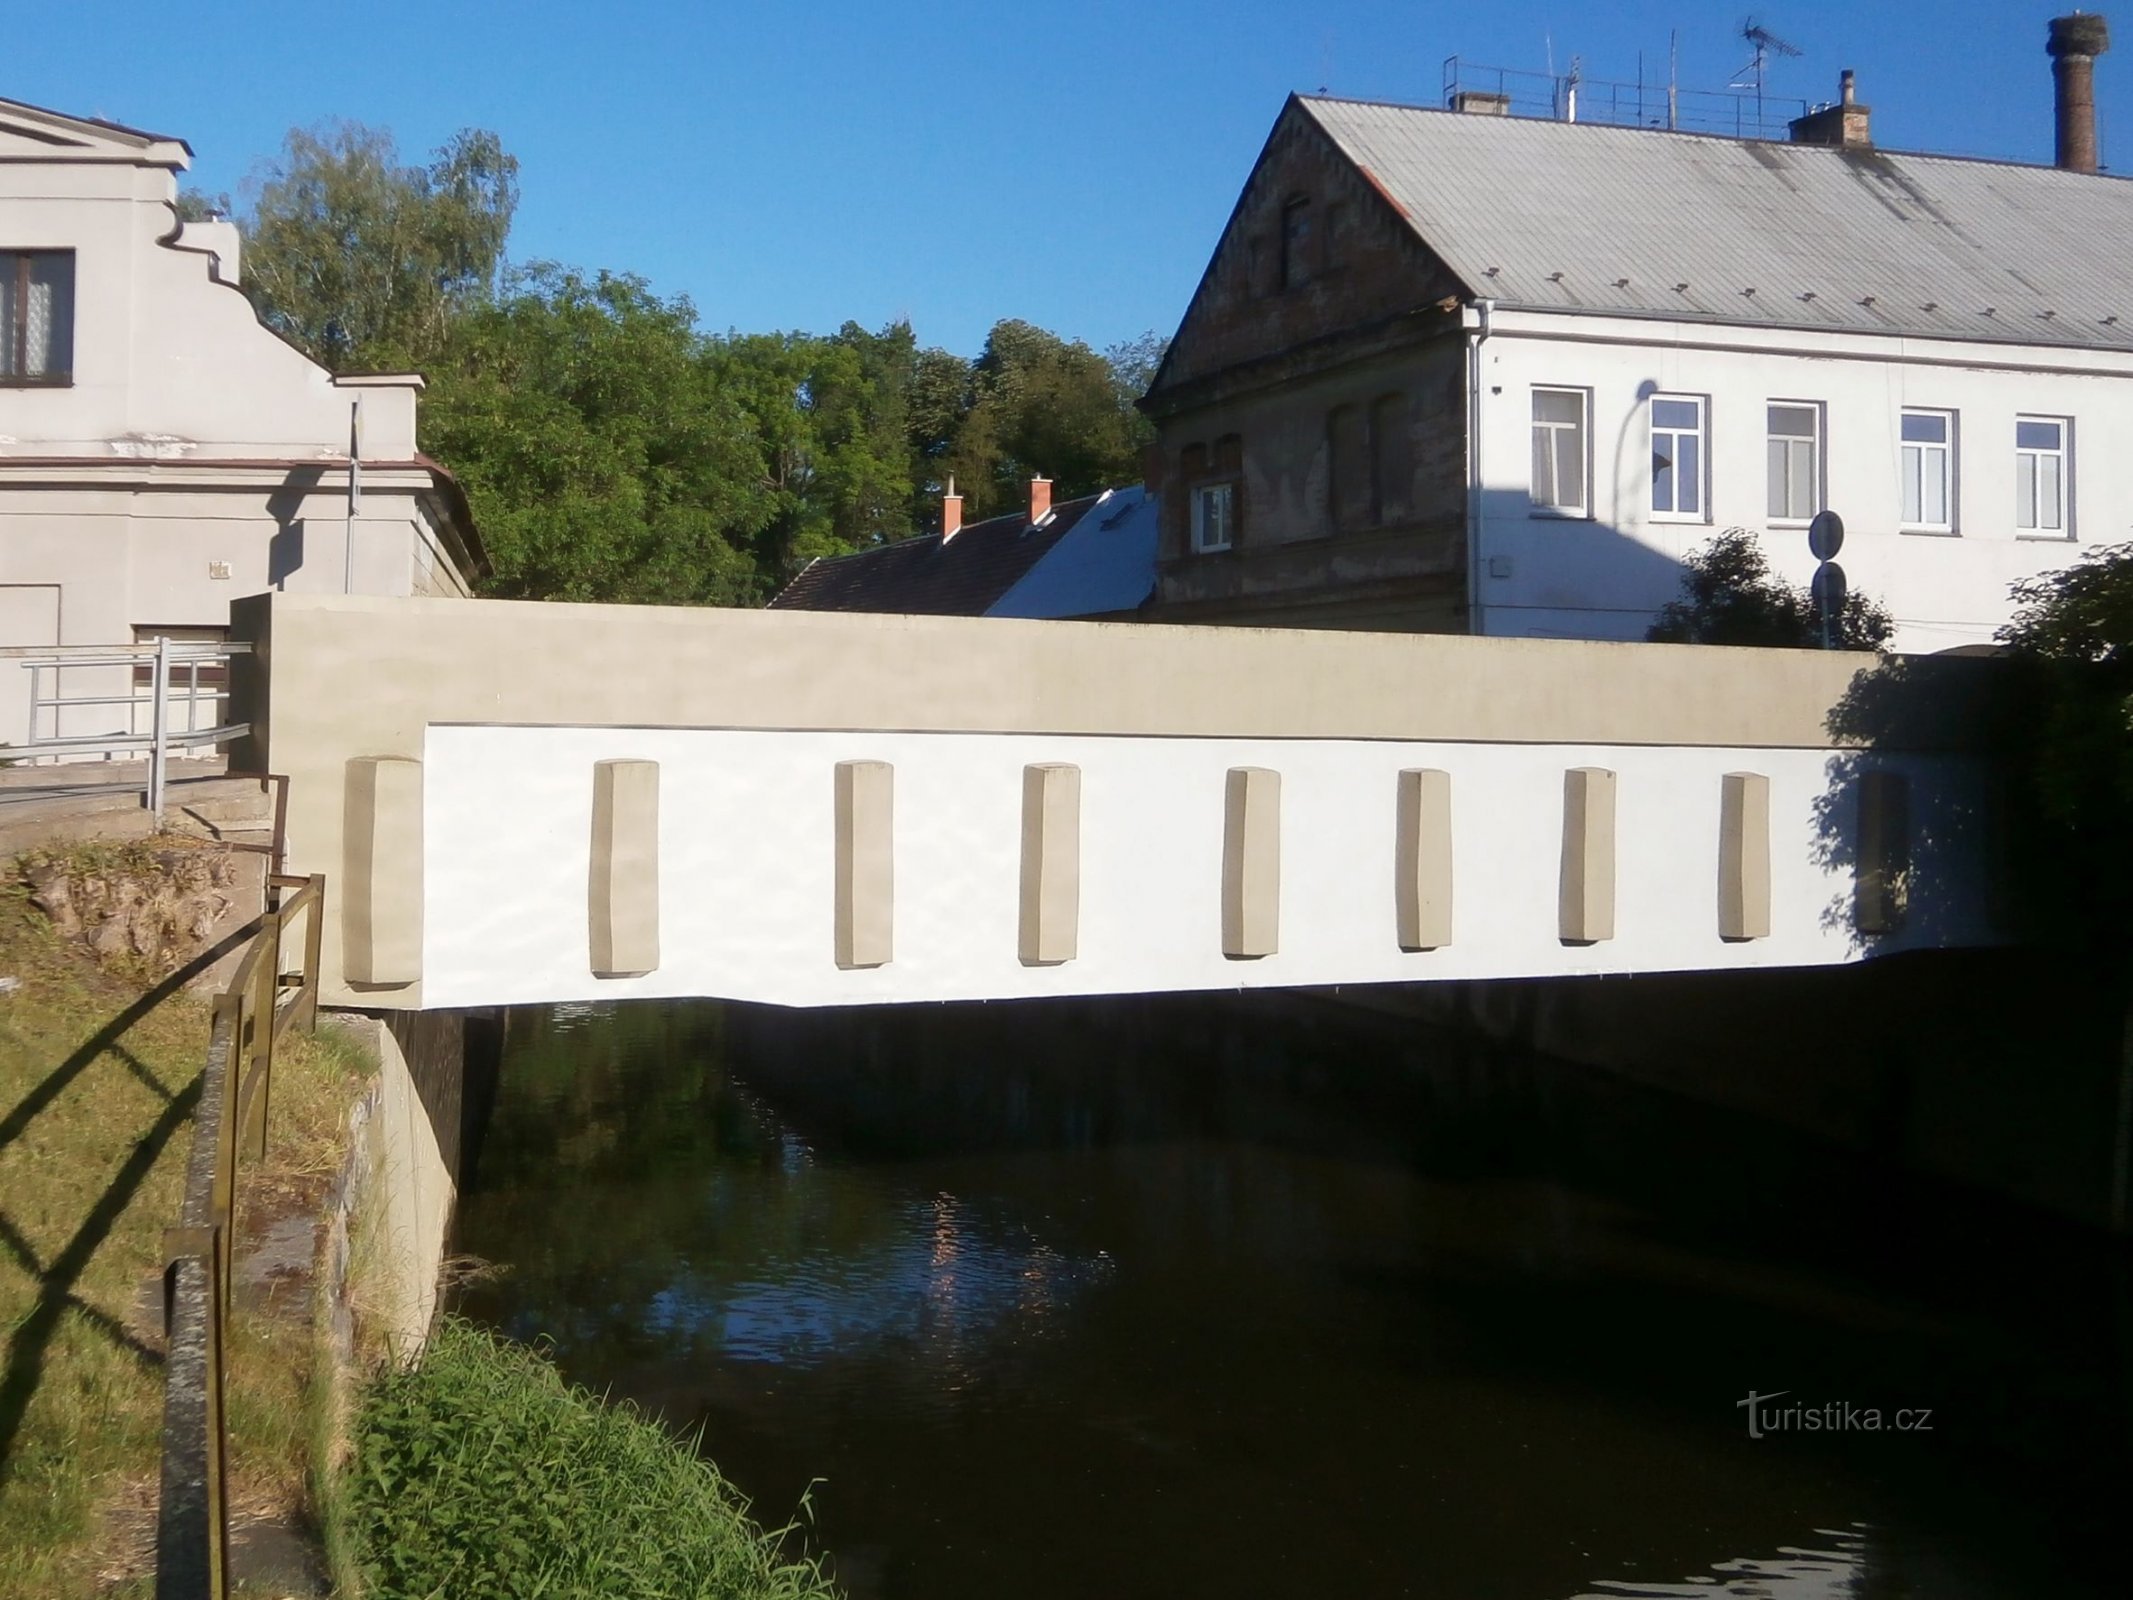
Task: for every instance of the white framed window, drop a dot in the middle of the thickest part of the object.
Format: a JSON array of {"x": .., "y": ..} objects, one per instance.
[
  {"x": 36, "y": 317},
  {"x": 1562, "y": 479},
  {"x": 1795, "y": 433},
  {"x": 2043, "y": 457},
  {"x": 1214, "y": 516},
  {"x": 1928, "y": 466},
  {"x": 1679, "y": 427}
]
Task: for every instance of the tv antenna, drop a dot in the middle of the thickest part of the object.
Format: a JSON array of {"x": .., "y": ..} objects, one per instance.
[{"x": 1765, "y": 44}]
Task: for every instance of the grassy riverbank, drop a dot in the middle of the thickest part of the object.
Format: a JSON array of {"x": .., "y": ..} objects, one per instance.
[
  {"x": 481, "y": 1474},
  {"x": 99, "y": 1068}
]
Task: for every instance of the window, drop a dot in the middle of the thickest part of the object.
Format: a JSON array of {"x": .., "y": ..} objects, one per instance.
[
  {"x": 1214, "y": 516},
  {"x": 1347, "y": 468},
  {"x": 1677, "y": 457},
  {"x": 1929, "y": 470},
  {"x": 2040, "y": 474},
  {"x": 1559, "y": 453},
  {"x": 36, "y": 316},
  {"x": 1296, "y": 244},
  {"x": 1795, "y": 460},
  {"x": 1392, "y": 468}
]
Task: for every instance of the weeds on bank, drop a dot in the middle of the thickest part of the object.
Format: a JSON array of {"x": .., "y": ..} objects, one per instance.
[
  {"x": 482, "y": 1475},
  {"x": 99, "y": 1074}
]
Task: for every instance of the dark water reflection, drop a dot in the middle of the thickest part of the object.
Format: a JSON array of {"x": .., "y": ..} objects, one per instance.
[{"x": 1230, "y": 1298}]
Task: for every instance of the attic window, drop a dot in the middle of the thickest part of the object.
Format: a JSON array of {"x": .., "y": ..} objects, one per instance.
[
  {"x": 36, "y": 317},
  {"x": 1296, "y": 243}
]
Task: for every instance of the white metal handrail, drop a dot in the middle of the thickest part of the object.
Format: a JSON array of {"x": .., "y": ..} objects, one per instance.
[{"x": 163, "y": 697}]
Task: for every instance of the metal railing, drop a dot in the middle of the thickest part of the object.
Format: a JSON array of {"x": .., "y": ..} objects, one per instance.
[
  {"x": 260, "y": 1004},
  {"x": 171, "y": 702},
  {"x": 1656, "y": 103}
]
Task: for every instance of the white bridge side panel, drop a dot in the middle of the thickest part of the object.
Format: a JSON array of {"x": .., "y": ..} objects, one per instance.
[{"x": 747, "y": 851}]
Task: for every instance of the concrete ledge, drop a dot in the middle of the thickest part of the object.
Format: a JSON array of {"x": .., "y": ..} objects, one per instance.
[
  {"x": 623, "y": 913},
  {"x": 1744, "y": 856},
  {"x": 1251, "y": 863},
  {"x": 381, "y": 873},
  {"x": 1422, "y": 859},
  {"x": 1586, "y": 914},
  {"x": 866, "y": 864},
  {"x": 1050, "y": 930}
]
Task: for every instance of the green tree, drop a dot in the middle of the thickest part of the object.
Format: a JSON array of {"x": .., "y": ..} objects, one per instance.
[
  {"x": 1729, "y": 595},
  {"x": 361, "y": 261},
  {"x": 832, "y": 418},
  {"x": 1040, "y": 404},
  {"x": 2074, "y": 629},
  {"x": 604, "y": 458}
]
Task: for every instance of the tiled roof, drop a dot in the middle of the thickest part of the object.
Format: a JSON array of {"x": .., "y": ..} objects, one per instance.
[
  {"x": 1615, "y": 221},
  {"x": 925, "y": 577}
]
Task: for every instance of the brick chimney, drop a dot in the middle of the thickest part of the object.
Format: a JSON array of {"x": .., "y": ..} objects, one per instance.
[
  {"x": 1040, "y": 500},
  {"x": 2074, "y": 44},
  {"x": 1844, "y": 125},
  {"x": 951, "y": 513}
]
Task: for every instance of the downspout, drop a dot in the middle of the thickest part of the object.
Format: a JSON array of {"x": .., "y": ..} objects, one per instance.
[{"x": 1477, "y": 334}]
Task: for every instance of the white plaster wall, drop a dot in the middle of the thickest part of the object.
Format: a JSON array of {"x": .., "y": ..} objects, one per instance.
[
  {"x": 746, "y": 850},
  {"x": 167, "y": 359},
  {"x": 1603, "y": 578},
  {"x": 106, "y": 485}
]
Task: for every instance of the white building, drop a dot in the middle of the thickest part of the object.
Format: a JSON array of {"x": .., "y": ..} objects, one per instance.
[
  {"x": 161, "y": 452},
  {"x": 1459, "y": 370}
]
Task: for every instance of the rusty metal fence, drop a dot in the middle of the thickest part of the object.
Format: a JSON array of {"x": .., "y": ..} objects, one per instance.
[{"x": 262, "y": 1002}]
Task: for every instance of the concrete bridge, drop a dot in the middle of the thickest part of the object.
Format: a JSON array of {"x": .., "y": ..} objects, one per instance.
[{"x": 527, "y": 803}]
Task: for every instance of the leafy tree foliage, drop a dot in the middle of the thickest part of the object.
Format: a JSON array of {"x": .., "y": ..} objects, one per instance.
[
  {"x": 2075, "y": 629},
  {"x": 612, "y": 450},
  {"x": 1038, "y": 404},
  {"x": 1729, "y": 595},
  {"x": 604, "y": 459},
  {"x": 355, "y": 257}
]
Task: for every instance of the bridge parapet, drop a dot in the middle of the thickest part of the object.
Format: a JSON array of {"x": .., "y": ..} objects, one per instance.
[{"x": 553, "y": 802}]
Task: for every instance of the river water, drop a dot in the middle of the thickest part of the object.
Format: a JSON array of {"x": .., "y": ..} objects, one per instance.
[{"x": 1229, "y": 1298}]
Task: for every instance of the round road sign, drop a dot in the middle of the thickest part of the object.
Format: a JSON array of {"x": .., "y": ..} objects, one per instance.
[
  {"x": 1830, "y": 589},
  {"x": 1825, "y": 535}
]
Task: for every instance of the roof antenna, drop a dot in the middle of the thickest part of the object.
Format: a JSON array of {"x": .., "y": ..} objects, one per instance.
[
  {"x": 1767, "y": 44},
  {"x": 1673, "y": 78}
]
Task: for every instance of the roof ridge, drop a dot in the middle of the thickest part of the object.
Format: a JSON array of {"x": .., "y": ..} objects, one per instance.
[{"x": 1616, "y": 128}]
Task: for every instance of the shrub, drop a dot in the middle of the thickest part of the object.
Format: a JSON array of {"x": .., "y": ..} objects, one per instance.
[
  {"x": 1730, "y": 596},
  {"x": 481, "y": 1475}
]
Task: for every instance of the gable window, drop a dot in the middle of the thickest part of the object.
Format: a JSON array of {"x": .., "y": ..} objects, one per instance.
[
  {"x": 1347, "y": 468},
  {"x": 1795, "y": 460},
  {"x": 36, "y": 316},
  {"x": 1559, "y": 452},
  {"x": 1214, "y": 516},
  {"x": 1296, "y": 243},
  {"x": 1929, "y": 471},
  {"x": 2041, "y": 456},
  {"x": 1391, "y": 458},
  {"x": 1678, "y": 457}
]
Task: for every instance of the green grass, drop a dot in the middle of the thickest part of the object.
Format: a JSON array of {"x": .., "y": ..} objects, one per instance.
[
  {"x": 481, "y": 1475},
  {"x": 98, "y": 1075}
]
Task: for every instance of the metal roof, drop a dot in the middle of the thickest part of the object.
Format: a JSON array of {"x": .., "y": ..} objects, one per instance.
[
  {"x": 1104, "y": 564},
  {"x": 1574, "y": 217}
]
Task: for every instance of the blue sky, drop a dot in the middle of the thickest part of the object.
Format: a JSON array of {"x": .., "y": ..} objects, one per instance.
[{"x": 1070, "y": 163}]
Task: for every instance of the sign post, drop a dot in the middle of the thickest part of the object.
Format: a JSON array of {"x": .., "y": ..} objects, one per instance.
[{"x": 1825, "y": 537}]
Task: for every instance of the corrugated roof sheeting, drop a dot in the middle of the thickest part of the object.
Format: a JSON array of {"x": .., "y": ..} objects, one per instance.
[{"x": 1578, "y": 217}]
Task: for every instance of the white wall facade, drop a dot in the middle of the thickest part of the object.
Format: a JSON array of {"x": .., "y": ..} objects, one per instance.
[
  {"x": 746, "y": 863},
  {"x": 190, "y": 455},
  {"x": 1605, "y": 575}
]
